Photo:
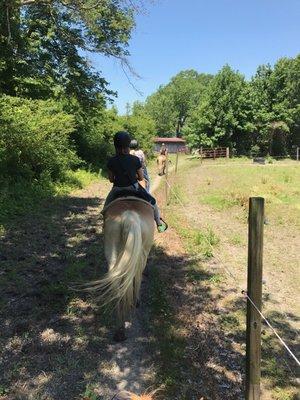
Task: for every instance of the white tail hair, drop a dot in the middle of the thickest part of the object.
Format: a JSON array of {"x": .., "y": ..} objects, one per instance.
[{"x": 121, "y": 284}]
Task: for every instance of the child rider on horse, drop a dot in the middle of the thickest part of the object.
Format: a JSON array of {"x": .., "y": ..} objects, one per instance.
[
  {"x": 136, "y": 151},
  {"x": 125, "y": 172}
]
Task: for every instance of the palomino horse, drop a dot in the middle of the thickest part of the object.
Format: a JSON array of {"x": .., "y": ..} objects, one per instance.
[
  {"x": 128, "y": 238},
  {"x": 162, "y": 164}
]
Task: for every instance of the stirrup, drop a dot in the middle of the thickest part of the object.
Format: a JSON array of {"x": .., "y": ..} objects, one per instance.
[{"x": 163, "y": 227}]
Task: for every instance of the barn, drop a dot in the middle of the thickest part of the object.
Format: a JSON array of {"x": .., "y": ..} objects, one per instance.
[{"x": 173, "y": 144}]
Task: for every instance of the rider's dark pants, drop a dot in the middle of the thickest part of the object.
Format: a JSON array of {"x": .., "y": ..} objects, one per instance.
[{"x": 116, "y": 189}]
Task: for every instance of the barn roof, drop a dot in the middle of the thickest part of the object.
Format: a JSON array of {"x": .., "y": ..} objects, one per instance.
[{"x": 169, "y": 140}]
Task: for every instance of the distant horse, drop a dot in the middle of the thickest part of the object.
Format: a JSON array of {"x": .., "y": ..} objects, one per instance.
[
  {"x": 128, "y": 238},
  {"x": 162, "y": 164}
]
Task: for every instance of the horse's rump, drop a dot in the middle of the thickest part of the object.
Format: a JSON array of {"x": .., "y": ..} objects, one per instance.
[
  {"x": 128, "y": 238},
  {"x": 161, "y": 162}
]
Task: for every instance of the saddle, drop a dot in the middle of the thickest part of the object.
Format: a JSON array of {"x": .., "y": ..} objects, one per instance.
[
  {"x": 140, "y": 193},
  {"x": 131, "y": 198}
]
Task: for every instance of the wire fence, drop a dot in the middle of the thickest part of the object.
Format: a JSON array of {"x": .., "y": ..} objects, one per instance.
[
  {"x": 224, "y": 152},
  {"x": 245, "y": 294}
]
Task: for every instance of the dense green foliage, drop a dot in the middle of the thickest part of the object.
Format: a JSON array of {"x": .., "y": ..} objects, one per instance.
[
  {"x": 259, "y": 116},
  {"x": 172, "y": 104},
  {"x": 140, "y": 126},
  {"x": 53, "y": 104},
  {"x": 34, "y": 139},
  {"x": 42, "y": 45}
]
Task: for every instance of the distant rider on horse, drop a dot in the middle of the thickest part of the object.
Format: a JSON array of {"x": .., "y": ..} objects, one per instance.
[
  {"x": 136, "y": 151},
  {"x": 163, "y": 150}
]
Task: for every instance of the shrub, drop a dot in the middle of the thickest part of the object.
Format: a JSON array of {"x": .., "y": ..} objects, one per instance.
[
  {"x": 34, "y": 139},
  {"x": 255, "y": 150}
]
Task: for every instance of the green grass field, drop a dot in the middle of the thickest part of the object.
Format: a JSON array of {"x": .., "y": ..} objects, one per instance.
[{"x": 213, "y": 225}]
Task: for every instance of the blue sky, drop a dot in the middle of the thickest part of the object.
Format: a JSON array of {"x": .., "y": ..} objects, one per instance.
[{"x": 204, "y": 35}]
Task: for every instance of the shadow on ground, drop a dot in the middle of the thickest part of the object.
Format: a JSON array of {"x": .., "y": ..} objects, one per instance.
[{"x": 57, "y": 345}]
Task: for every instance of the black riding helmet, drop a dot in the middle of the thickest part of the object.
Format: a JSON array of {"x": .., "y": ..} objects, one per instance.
[
  {"x": 122, "y": 139},
  {"x": 134, "y": 144}
]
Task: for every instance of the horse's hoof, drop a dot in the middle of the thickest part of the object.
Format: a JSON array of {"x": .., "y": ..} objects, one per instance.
[{"x": 120, "y": 335}]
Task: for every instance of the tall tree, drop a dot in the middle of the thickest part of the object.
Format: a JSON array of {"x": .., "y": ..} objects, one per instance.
[
  {"x": 276, "y": 105},
  {"x": 43, "y": 42},
  {"x": 172, "y": 104},
  {"x": 222, "y": 116}
]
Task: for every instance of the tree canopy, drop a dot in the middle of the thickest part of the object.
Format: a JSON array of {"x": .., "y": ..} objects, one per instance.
[
  {"x": 54, "y": 105},
  {"x": 260, "y": 115},
  {"x": 48, "y": 82},
  {"x": 43, "y": 42},
  {"x": 172, "y": 104}
]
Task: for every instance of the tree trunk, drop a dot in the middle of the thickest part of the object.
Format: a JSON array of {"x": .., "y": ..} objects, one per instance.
[
  {"x": 178, "y": 128},
  {"x": 9, "y": 29}
]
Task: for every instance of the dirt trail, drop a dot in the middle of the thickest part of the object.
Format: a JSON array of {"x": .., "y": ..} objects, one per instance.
[{"x": 54, "y": 344}]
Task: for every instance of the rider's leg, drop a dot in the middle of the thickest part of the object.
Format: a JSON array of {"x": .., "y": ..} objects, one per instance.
[
  {"x": 110, "y": 196},
  {"x": 161, "y": 225},
  {"x": 156, "y": 214},
  {"x": 115, "y": 189},
  {"x": 146, "y": 175}
]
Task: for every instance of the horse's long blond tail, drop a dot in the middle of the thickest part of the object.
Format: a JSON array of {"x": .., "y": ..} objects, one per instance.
[{"x": 121, "y": 284}]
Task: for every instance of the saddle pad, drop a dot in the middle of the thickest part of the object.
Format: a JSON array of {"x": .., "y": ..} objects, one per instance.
[{"x": 132, "y": 198}]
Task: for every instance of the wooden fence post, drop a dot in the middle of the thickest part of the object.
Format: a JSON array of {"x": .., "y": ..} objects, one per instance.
[
  {"x": 297, "y": 153},
  {"x": 227, "y": 152},
  {"x": 176, "y": 163},
  {"x": 166, "y": 178},
  {"x": 254, "y": 290},
  {"x": 201, "y": 154},
  {"x": 214, "y": 154}
]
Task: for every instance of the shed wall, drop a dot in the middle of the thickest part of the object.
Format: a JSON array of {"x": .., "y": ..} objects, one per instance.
[{"x": 172, "y": 147}]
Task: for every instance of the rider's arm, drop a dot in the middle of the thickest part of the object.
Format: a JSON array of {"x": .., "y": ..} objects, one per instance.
[
  {"x": 140, "y": 174},
  {"x": 144, "y": 158},
  {"x": 111, "y": 176}
]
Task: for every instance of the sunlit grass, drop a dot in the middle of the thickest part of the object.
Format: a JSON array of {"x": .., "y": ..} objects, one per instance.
[
  {"x": 230, "y": 186},
  {"x": 19, "y": 197}
]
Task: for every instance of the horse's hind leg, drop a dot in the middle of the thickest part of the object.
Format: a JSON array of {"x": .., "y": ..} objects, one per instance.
[{"x": 120, "y": 334}]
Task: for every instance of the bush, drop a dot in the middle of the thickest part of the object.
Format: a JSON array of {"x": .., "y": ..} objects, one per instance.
[
  {"x": 255, "y": 151},
  {"x": 34, "y": 139}
]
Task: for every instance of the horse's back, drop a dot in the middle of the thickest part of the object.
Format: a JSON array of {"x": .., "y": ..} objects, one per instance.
[
  {"x": 138, "y": 211},
  {"x": 119, "y": 206}
]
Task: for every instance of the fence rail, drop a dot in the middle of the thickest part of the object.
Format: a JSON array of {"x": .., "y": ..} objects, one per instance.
[
  {"x": 223, "y": 152},
  {"x": 218, "y": 152}
]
